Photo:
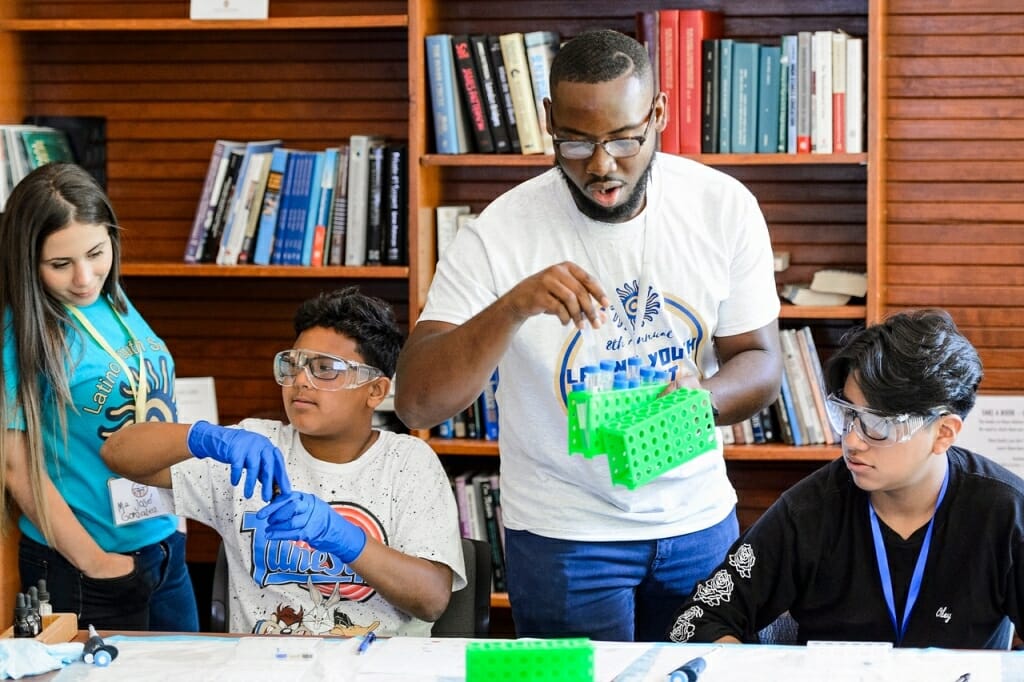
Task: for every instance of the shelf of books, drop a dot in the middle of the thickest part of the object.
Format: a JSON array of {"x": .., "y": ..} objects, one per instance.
[
  {"x": 546, "y": 161},
  {"x": 159, "y": 269}
]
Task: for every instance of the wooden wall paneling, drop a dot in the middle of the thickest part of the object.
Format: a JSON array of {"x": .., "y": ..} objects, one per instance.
[
  {"x": 955, "y": 183},
  {"x": 168, "y": 95}
]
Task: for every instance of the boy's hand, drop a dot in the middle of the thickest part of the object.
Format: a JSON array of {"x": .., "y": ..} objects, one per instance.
[
  {"x": 305, "y": 517},
  {"x": 243, "y": 450}
]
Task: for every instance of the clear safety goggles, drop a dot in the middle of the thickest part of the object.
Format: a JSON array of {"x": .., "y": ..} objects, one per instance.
[
  {"x": 873, "y": 427},
  {"x": 325, "y": 372}
]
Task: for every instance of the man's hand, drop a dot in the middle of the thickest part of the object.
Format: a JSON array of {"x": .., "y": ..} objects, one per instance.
[
  {"x": 242, "y": 450},
  {"x": 307, "y": 518},
  {"x": 564, "y": 290}
]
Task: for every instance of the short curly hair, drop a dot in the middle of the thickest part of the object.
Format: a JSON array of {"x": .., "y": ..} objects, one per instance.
[
  {"x": 367, "y": 320},
  {"x": 600, "y": 56}
]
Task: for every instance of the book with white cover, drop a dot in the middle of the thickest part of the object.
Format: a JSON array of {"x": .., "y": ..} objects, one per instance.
[
  {"x": 840, "y": 282},
  {"x": 801, "y": 294}
]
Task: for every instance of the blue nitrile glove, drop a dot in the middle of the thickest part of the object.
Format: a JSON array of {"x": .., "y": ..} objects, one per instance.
[
  {"x": 305, "y": 517},
  {"x": 241, "y": 449}
]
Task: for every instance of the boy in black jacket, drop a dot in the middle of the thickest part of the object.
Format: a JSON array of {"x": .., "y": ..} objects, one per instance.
[{"x": 905, "y": 538}]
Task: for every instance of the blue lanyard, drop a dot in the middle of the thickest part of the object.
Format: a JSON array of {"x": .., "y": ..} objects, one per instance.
[{"x": 915, "y": 579}]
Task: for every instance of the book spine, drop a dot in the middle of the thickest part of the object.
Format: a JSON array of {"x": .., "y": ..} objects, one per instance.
[
  {"x": 312, "y": 209},
  {"x": 668, "y": 65},
  {"x": 725, "y": 95},
  {"x": 854, "y": 95},
  {"x": 789, "y": 50},
  {"x": 443, "y": 95},
  {"x": 469, "y": 89},
  {"x": 710, "y": 100},
  {"x": 821, "y": 89},
  {"x": 396, "y": 234},
  {"x": 227, "y": 189},
  {"x": 253, "y": 211},
  {"x": 325, "y": 205},
  {"x": 541, "y": 47},
  {"x": 446, "y": 218},
  {"x": 270, "y": 210},
  {"x": 489, "y": 92},
  {"x": 376, "y": 207},
  {"x": 513, "y": 53},
  {"x": 358, "y": 199},
  {"x": 214, "y": 172},
  {"x": 647, "y": 35},
  {"x": 803, "y": 98},
  {"x": 504, "y": 92},
  {"x": 745, "y": 62},
  {"x": 838, "y": 92},
  {"x": 489, "y": 414},
  {"x": 339, "y": 216},
  {"x": 695, "y": 25},
  {"x": 768, "y": 100},
  {"x": 491, "y": 523}
]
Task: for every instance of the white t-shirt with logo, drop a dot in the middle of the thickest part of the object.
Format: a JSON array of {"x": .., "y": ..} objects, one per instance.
[
  {"x": 701, "y": 254},
  {"x": 396, "y": 491}
]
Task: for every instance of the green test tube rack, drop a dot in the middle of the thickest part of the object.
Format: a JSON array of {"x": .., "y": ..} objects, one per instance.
[
  {"x": 589, "y": 411},
  {"x": 530, "y": 660},
  {"x": 643, "y": 435}
]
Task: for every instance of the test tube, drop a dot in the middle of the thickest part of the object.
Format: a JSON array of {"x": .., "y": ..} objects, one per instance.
[
  {"x": 589, "y": 375},
  {"x": 606, "y": 373},
  {"x": 620, "y": 381},
  {"x": 633, "y": 367},
  {"x": 647, "y": 375}
]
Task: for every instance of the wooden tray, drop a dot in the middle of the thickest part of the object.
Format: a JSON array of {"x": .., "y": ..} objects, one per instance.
[{"x": 57, "y": 629}]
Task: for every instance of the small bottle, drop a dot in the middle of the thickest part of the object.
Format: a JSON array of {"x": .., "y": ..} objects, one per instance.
[
  {"x": 620, "y": 382},
  {"x": 33, "y": 611},
  {"x": 635, "y": 382},
  {"x": 22, "y": 624},
  {"x": 45, "y": 609},
  {"x": 647, "y": 375},
  {"x": 633, "y": 367}
]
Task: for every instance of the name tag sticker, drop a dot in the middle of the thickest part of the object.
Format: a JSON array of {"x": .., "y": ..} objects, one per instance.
[{"x": 131, "y": 501}]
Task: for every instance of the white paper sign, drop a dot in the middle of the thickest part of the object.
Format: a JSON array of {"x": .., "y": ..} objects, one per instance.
[
  {"x": 196, "y": 399},
  {"x": 229, "y": 9},
  {"x": 995, "y": 429}
]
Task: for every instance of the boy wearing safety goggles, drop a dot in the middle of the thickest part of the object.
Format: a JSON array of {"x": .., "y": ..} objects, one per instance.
[
  {"x": 374, "y": 543},
  {"x": 906, "y": 538}
]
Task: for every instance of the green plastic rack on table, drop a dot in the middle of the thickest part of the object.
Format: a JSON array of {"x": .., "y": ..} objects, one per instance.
[{"x": 530, "y": 660}]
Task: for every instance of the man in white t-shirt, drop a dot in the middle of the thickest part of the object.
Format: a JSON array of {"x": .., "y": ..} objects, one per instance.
[
  {"x": 617, "y": 252},
  {"x": 373, "y": 542}
]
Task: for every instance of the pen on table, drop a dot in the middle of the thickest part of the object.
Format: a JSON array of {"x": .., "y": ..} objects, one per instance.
[
  {"x": 368, "y": 639},
  {"x": 689, "y": 671}
]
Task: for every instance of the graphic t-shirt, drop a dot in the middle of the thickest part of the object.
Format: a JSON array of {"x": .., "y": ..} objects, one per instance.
[
  {"x": 103, "y": 401},
  {"x": 695, "y": 264},
  {"x": 397, "y": 491}
]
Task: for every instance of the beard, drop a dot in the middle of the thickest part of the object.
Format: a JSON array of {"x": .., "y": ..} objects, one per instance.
[{"x": 614, "y": 214}]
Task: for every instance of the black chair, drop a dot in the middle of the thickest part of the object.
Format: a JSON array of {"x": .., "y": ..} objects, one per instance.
[
  {"x": 469, "y": 610},
  {"x": 468, "y": 613},
  {"x": 220, "y": 619}
]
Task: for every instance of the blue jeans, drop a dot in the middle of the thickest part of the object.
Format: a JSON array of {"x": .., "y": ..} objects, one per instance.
[
  {"x": 611, "y": 591},
  {"x": 157, "y": 595}
]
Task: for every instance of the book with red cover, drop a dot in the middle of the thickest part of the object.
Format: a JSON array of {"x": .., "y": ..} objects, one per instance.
[
  {"x": 668, "y": 76},
  {"x": 695, "y": 26},
  {"x": 472, "y": 97}
]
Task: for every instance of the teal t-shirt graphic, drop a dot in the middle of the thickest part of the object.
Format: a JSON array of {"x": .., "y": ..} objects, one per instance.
[{"x": 103, "y": 401}]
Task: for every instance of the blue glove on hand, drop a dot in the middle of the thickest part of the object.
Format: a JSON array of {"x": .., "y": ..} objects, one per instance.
[
  {"x": 243, "y": 450},
  {"x": 305, "y": 517}
]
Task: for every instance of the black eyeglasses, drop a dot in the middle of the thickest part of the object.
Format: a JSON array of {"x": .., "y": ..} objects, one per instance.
[{"x": 619, "y": 148}]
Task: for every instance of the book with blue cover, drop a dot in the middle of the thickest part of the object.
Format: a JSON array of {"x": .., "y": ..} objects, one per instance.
[
  {"x": 269, "y": 211},
  {"x": 769, "y": 85},
  {"x": 743, "y": 101},
  {"x": 450, "y": 135}
]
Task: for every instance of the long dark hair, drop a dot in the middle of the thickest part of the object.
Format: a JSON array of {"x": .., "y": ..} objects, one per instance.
[{"x": 47, "y": 200}]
